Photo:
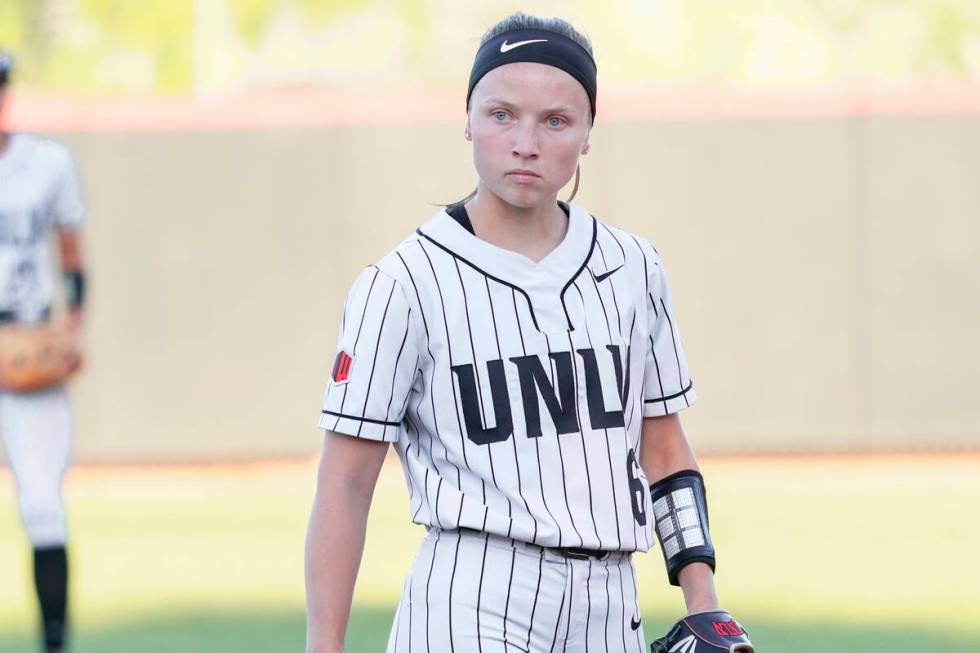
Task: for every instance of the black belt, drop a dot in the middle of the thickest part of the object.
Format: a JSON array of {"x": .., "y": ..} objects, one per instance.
[
  {"x": 581, "y": 554},
  {"x": 573, "y": 552},
  {"x": 7, "y": 317}
]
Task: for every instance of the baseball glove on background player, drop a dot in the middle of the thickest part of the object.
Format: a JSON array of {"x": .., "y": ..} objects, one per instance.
[
  {"x": 33, "y": 357},
  {"x": 704, "y": 632}
]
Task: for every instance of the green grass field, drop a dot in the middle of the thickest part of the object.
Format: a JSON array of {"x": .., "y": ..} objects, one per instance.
[{"x": 822, "y": 554}]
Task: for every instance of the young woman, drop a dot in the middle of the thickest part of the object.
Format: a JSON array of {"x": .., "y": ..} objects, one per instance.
[{"x": 525, "y": 362}]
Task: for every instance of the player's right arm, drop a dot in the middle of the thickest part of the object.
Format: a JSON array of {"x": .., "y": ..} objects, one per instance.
[
  {"x": 363, "y": 410},
  {"x": 346, "y": 478}
]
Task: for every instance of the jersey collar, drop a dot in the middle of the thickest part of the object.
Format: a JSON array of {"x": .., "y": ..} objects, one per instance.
[{"x": 558, "y": 268}]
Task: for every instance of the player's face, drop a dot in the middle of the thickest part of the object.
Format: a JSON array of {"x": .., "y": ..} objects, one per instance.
[{"x": 529, "y": 123}]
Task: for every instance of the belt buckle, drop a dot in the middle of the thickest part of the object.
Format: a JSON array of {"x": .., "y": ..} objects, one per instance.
[{"x": 583, "y": 554}]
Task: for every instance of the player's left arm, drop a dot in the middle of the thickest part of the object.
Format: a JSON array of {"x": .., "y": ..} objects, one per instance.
[
  {"x": 72, "y": 269},
  {"x": 680, "y": 513},
  {"x": 666, "y": 451}
]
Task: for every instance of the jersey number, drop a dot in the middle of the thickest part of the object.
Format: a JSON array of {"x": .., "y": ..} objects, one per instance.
[{"x": 638, "y": 490}]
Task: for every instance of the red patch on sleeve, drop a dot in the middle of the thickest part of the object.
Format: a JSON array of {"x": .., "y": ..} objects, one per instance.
[{"x": 341, "y": 367}]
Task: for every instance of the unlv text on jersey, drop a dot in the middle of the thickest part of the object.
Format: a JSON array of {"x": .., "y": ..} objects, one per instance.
[{"x": 534, "y": 379}]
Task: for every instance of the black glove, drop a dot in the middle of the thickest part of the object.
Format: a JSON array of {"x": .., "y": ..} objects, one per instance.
[{"x": 704, "y": 632}]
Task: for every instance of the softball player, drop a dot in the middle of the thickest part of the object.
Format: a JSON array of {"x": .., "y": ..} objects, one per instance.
[
  {"x": 39, "y": 194},
  {"x": 524, "y": 360}
]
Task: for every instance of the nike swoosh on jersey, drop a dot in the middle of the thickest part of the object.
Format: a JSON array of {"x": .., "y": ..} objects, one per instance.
[
  {"x": 507, "y": 47},
  {"x": 606, "y": 275},
  {"x": 634, "y": 623}
]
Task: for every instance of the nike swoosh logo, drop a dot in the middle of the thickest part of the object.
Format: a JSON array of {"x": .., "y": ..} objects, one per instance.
[
  {"x": 606, "y": 275},
  {"x": 507, "y": 47},
  {"x": 634, "y": 623},
  {"x": 686, "y": 645}
]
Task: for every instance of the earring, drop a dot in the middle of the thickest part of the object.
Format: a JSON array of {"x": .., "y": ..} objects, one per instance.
[
  {"x": 586, "y": 149},
  {"x": 468, "y": 136}
]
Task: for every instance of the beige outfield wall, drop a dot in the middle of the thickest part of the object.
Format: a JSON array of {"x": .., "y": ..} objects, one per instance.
[{"x": 826, "y": 274}]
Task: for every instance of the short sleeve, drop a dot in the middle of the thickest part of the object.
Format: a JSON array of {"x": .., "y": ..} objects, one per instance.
[
  {"x": 376, "y": 361},
  {"x": 667, "y": 385},
  {"x": 66, "y": 208}
]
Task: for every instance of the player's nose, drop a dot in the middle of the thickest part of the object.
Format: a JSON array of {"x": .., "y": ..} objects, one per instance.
[{"x": 525, "y": 143}]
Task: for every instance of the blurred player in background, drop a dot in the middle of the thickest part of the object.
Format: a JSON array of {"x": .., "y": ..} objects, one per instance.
[{"x": 39, "y": 197}]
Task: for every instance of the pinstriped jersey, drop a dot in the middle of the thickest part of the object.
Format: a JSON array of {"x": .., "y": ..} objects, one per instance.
[
  {"x": 514, "y": 390},
  {"x": 39, "y": 190}
]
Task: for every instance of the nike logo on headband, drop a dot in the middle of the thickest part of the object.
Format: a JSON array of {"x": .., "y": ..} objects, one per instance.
[{"x": 507, "y": 47}]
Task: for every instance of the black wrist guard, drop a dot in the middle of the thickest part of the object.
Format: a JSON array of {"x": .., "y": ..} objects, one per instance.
[
  {"x": 680, "y": 509},
  {"x": 75, "y": 288}
]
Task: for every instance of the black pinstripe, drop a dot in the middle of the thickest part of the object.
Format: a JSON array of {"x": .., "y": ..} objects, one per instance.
[
  {"x": 513, "y": 440},
  {"x": 432, "y": 400},
  {"x": 677, "y": 357},
  {"x": 449, "y": 347},
  {"x": 374, "y": 360},
  {"x": 622, "y": 602},
  {"x": 605, "y": 637},
  {"x": 612, "y": 286},
  {"x": 571, "y": 589},
  {"x": 588, "y": 602},
  {"x": 561, "y": 611},
  {"x": 636, "y": 591},
  {"x": 537, "y": 448},
  {"x": 612, "y": 477},
  {"x": 452, "y": 582},
  {"x": 534, "y": 605},
  {"x": 479, "y": 592},
  {"x": 357, "y": 338},
  {"x": 581, "y": 432},
  {"x": 394, "y": 374},
  {"x": 561, "y": 457},
  {"x": 479, "y": 390},
  {"x": 612, "y": 283},
  {"x": 432, "y": 564},
  {"x": 510, "y": 584}
]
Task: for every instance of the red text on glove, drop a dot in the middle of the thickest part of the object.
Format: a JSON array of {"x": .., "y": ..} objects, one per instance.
[{"x": 727, "y": 628}]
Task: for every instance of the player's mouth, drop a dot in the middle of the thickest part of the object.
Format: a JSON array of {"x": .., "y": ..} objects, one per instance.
[{"x": 522, "y": 176}]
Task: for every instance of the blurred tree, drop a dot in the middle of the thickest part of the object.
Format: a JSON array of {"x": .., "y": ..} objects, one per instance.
[
  {"x": 252, "y": 17},
  {"x": 214, "y": 45},
  {"x": 942, "y": 29}
]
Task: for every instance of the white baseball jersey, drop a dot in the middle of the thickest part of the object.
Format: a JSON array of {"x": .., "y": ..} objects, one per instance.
[
  {"x": 39, "y": 190},
  {"x": 514, "y": 391}
]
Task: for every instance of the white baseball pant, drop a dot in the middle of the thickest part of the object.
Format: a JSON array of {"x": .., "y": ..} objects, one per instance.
[
  {"x": 36, "y": 431},
  {"x": 474, "y": 592}
]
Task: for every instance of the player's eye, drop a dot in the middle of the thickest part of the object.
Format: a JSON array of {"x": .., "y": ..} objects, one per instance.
[
  {"x": 556, "y": 121},
  {"x": 499, "y": 115}
]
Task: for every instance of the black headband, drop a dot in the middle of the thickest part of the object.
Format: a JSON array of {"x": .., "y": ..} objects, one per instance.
[{"x": 536, "y": 46}]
